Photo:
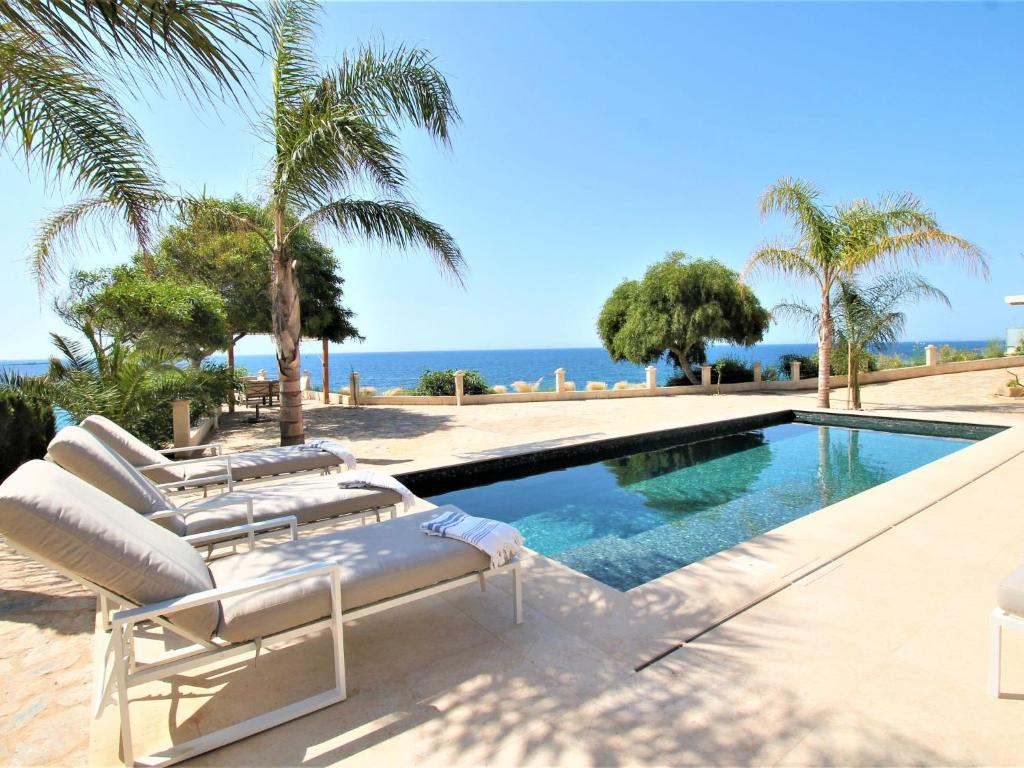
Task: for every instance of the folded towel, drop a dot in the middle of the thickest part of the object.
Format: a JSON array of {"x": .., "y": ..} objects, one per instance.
[
  {"x": 371, "y": 478},
  {"x": 499, "y": 540},
  {"x": 333, "y": 448}
]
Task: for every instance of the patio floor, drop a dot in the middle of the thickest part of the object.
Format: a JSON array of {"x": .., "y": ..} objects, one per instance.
[{"x": 876, "y": 658}]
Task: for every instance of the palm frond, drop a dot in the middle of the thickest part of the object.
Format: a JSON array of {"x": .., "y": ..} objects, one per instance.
[
  {"x": 395, "y": 223},
  {"x": 799, "y": 312},
  {"x": 193, "y": 44},
  {"x": 64, "y": 228},
  {"x": 919, "y": 245},
  {"x": 396, "y": 86},
  {"x": 779, "y": 260},
  {"x": 293, "y": 25}
]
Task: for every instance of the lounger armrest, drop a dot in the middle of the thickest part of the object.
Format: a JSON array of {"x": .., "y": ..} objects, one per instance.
[
  {"x": 168, "y": 607},
  {"x": 225, "y": 459},
  {"x": 162, "y": 514},
  {"x": 218, "y": 449},
  {"x": 238, "y": 531},
  {"x": 199, "y": 482}
]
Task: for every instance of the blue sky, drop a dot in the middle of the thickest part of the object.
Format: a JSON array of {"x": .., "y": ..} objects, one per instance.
[{"x": 599, "y": 136}]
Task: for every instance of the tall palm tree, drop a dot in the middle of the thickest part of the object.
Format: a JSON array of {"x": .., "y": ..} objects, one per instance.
[
  {"x": 843, "y": 241},
  {"x": 866, "y": 315},
  {"x": 334, "y": 137},
  {"x": 63, "y": 66}
]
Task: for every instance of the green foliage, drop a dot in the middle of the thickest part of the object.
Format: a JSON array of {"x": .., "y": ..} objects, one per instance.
[
  {"x": 725, "y": 370},
  {"x": 180, "y": 318},
  {"x": 995, "y": 348},
  {"x": 26, "y": 426},
  {"x": 808, "y": 365},
  {"x": 442, "y": 383},
  {"x": 679, "y": 306},
  {"x": 129, "y": 386}
]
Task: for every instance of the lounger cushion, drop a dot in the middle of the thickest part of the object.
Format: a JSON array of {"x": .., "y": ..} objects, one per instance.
[
  {"x": 307, "y": 498},
  {"x": 82, "y": 454},
  {"x": 249, "y": 464},
  {"x": 63, "y": 519},
  {"x": 123, "y": 442},
  {"x": 378, "y": 561},
  {"x": 1010, "y": 595}
]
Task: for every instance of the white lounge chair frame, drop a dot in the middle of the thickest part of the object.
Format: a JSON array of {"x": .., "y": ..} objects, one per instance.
[
  {"x": 127, "y": 671},
  {"x": 999, "y": 621}
]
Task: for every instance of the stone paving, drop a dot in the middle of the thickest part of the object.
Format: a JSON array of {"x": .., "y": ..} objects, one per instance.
[{"x": 46, "y": 622}]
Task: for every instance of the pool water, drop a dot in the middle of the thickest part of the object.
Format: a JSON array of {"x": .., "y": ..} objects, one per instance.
[{"x": 628, "y": 520}]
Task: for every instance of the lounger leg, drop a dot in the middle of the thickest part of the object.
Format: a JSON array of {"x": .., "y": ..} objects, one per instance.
[
  {"x": 121, "y": 673},
  {"x": 483, "y": 581},
  {"x": 517, "y": 594},
  {"x": 394, "y": 512},
  {"x": 337, "y": 635},
  {"x": 105, "y": 612},
  {"x": 995, "y": 652}
]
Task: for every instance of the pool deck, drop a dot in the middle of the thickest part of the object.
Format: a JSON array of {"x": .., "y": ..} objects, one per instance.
[{"x": 856, "y": 635}]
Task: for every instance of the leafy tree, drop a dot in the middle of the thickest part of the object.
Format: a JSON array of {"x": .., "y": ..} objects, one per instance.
[
  {"x": 205, "y": 246},
  {"x": 181, "y": 319},
  {"x": 680, "y": 306},
  {"x": 865, "y": 316},
  {"x": 841, "y": 242},
  {"x": 334, "y": 134},
  {"x": 64, "y": 66}
]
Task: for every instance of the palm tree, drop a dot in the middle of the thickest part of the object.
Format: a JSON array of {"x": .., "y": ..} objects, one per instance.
[
  {"x": 843, "y": 241},
  {"x": 64, "y": 118},
  {"x": 866, "y": 316},
  {"x": 334, "y": 135}
]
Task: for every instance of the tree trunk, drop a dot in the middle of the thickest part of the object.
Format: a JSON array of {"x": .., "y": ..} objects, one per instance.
[
  {"x": 327, "y": 378},
  {"x": 284, "y": 295},
  {"x": 684, "y": 364},
  {"x": 849, "y": 372},
  {"x": 231, "y": 372},
  {"x": 824, "y": 352},
  {"x": 855, "y": 384}
]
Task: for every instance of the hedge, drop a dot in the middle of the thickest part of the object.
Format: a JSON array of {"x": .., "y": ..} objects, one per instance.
[{"x": 26, "y": 427}]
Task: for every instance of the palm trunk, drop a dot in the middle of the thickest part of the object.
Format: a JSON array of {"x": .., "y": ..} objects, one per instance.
[
  {"x": 284, "y": 296},
  {"x": 824, "y": 352},
  {"x": 231, "y": 372},
  {"x": 855, "y": 383},
  {"x": 849, "y": 372}
]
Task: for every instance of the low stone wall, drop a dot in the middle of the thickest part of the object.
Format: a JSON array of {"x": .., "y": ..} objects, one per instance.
[{"x": 795, "y": 384}]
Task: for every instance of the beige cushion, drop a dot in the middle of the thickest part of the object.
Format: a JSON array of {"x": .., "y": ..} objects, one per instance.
[
  {"x": 82, "y": 454},
  {"x": 123, "y": 442},
  {"x": 249, "y": 464},
  {"x": 1010, "y": 595},
  {"x": 307, "y": 498},
  {"x": 377, "y": 562},
  {"x": 52, "y": 514}
]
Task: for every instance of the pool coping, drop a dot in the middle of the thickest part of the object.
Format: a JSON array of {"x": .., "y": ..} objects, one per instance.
[{"x": 648, "y": 622}]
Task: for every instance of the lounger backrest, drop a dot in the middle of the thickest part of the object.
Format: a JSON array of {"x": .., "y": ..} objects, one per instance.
[
  {"x": 82, "y": 454},
  {"x": 49, "y": 513},
  {"x": 123, "y": 442}
]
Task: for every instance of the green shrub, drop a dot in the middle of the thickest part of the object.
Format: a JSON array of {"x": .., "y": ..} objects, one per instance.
[
  {"x": 838, "y": 361},
  {"x": 26, "y": 428},
  {"x": 442, "y": 383},
  {"x": 725, "y": 370},
  {"x": 808, "y": 365},
  {"x": 995, "y": 348}
]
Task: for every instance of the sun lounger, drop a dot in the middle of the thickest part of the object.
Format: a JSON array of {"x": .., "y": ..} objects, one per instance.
[
  {"x": 232, "y": 606},
  {"x": 208, "y": 470},
  {"x": 307, "y": 499},
  {"x": 1008, "y": 614}
]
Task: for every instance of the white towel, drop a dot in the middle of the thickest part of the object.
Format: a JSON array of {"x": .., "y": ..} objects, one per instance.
[
  {"x": 333, "y": 448},
  {"x": 371, "y": 478},
  {"x": 499, "y": 540}
]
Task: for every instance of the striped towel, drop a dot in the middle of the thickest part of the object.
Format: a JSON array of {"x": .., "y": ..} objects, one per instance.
[
  {"x": 371, "y": 478},
  {"x": 499, "y": 540},
  {"x": 333, "y": 448}
]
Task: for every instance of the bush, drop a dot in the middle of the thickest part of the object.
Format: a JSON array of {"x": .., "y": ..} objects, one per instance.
[
  {"x": 399, "y": 392},
  {"x": 731, "y": 371},
  {"x": 26, "y": 428},
  {"x": 570, "y": 386},
  {"x": 596, "y": 386},
  {"x": 521, "y": 386},
  {"x": 839, "y": 360},
  {"x": 808, "y": 365},
  {"x": 499, "y": 389},
  {"x": 995, "y": 348},
  {"x": 620, "y": 385},
  {"x": 442, "y": 383}
]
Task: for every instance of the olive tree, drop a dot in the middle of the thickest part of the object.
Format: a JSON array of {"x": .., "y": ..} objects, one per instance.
[{"x": 681, "y": 305}]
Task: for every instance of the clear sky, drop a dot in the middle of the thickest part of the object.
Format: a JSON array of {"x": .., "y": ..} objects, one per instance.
[{"x": 599, "y": 136}]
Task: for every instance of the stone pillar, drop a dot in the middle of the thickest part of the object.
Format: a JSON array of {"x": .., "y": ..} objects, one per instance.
[
  {"x": 757, "y": 373},
  {"x": 794, "y": 372},
  {"x": 559, "y": 380},
  {"x": 353, "y": 388},
  {"x": 705, "y": 375},
  {"x": 304, "y": 385},
  {"x": 182, "y": 423},
  {"x": 652, "y": 377},
  {"x": 460, "y": 386},
  {"x": 261, "y": 374},
  {"x": 931, "y": 356}
]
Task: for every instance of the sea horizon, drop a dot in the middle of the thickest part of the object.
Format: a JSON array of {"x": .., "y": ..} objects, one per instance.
[{"x": 388, "y": 370}]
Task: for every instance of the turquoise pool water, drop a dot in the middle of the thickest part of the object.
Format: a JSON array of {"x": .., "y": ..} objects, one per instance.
[{"x": 629, "y": 520}]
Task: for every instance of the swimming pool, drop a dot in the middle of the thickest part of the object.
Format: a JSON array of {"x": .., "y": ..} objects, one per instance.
[{"x": 628, "y": 519}]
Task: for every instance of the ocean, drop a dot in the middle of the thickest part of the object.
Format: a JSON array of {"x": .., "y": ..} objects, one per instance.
[{"x": 386, "y": 370}]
